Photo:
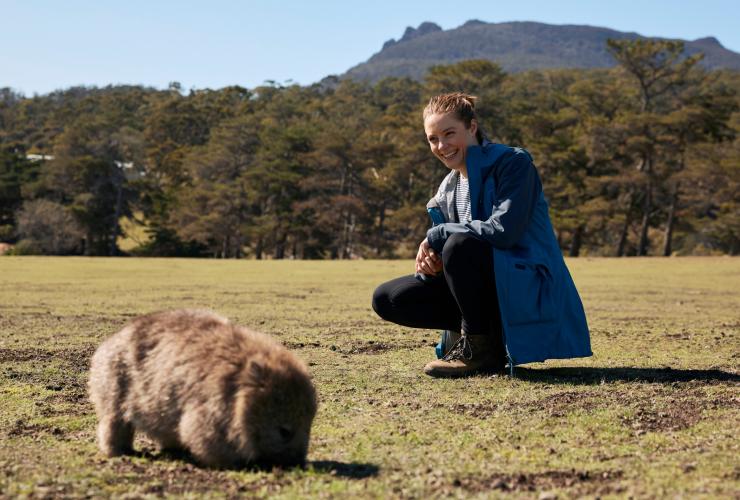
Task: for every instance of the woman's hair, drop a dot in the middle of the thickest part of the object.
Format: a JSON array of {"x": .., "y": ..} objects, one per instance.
[{"x": 460, "y": 105}]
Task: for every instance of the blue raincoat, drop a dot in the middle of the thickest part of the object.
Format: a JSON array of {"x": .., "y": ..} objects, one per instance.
[{"x": 541, "y": 313}]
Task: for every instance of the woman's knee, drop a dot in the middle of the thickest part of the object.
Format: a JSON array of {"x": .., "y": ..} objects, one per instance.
[
  {"x": 381, "y": 302},
  {"x": 459, "y": 247}
]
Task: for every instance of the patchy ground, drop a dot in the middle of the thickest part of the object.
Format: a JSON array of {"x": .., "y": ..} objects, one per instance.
[{"x": 654, "y": 412}]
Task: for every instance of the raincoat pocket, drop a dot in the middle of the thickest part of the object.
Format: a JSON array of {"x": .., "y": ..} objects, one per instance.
[{"x": 530, "y": 293}]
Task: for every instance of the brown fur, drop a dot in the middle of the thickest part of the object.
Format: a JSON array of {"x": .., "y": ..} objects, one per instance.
[{"x": 193, "y": 381}]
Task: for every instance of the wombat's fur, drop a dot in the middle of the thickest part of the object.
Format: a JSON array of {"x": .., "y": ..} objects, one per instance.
[{"x": 193, "y": 381}]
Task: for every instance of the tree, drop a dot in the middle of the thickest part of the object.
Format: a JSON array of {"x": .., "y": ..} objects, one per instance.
[
  {"x": 704, "y": 117},
  {"x": 174, "y": 126},
  {"x": 15, "y": 173},
  {"x": 213, "y": 207},
  {"x": 49, "y": 228},
  {"x": 481, "y": 78},
  {"x": 658, "y": 68}
]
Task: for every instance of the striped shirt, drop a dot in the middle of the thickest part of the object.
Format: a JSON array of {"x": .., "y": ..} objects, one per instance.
[{"x": 462, "y": 200}]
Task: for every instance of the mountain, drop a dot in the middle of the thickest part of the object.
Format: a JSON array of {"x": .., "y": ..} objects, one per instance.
[{"x": 516, "y": 46}]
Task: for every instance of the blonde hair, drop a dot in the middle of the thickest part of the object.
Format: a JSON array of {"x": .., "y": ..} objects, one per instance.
[{"x": 459, "y": 104}]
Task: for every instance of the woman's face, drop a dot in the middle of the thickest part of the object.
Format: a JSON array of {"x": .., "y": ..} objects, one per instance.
[{"x": 449, "y": 139}]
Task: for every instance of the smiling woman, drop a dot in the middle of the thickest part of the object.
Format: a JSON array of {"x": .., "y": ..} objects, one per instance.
[{"x": 490, "y": 272}]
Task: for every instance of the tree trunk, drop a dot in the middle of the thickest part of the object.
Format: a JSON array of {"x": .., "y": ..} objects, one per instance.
[
  {"x": 381, "y": 230},
  {"x": 576, "y": 242},
  {"x": 647, "y": 207},
  {"x": 90, "y": 244},
  {"x": 349, "y": 238},
  {"x": 258, "y": 249},
  {"x": 113, "y": 247},
  {"x": 280, "y": 246},
  {"x": 623, "y": 237},
  {"x": 667, "y": 250},
  {"x": 224, "y": 247}
]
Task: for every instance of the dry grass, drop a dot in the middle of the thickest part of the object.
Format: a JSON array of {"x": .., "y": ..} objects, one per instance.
[{"x": 655, "y": 412}]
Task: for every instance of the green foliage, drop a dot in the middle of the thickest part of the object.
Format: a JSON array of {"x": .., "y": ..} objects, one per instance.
[
  {"x": 15, "y": 172},
  {"x": 639, "y": 159}
]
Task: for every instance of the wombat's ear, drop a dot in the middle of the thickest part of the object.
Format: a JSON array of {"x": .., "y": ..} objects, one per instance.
[{"x": 257, "y": 373}]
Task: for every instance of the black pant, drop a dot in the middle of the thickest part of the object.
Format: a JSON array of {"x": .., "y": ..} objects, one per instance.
[{"x": 462, "y": 296}]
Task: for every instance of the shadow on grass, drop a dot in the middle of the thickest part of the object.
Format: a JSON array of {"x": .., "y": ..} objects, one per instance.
[
  {"x": 352, "y": 470},
  {"x": 594, "y": 375}
]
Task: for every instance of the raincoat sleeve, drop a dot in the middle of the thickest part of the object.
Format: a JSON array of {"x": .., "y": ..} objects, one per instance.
[{"x": 518, "y": 189}]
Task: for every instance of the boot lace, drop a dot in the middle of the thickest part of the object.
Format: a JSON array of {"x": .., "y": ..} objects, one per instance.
[{"x": 461, "y": 349}]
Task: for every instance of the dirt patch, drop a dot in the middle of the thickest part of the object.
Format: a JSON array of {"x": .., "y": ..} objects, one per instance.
[
  {"x": 657, "y": 410},
  {"x": 734, "y": 475},
  {"x": 164, "y": 477},
  {"x": 53, "y": 490},
  {"x": 76, "y": 358},
  {"x": 36, "y": 318},
  {"x": 371, "y": 347},
  {"x": 591, "y": 481},
  {"x": 555, "y": 405},
  {"x": 681, "y": 416},
  {"x": 21, "y": 428},
  {"x": 167, "y": 479},
  {"x": 66, "y": 402},
  {"x": 379, "y": 347},
  {"x": 482, "y": 411},
  {"x": 300, "y": 345},
  {"x": 68, "y": 382},
  {"x": 558, "y": 405}
]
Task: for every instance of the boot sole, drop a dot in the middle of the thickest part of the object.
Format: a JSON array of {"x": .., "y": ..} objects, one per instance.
[{"x": 472, "y": 373}]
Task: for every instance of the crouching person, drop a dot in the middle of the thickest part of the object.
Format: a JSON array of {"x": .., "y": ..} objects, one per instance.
[{"x": 490, "y": 271}]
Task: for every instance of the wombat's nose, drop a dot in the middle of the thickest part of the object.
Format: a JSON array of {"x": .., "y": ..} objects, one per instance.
[{"x": 286, "y": 433}]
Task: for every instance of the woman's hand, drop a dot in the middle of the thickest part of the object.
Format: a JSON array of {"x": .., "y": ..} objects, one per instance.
[{"x": 427, "y": 260}]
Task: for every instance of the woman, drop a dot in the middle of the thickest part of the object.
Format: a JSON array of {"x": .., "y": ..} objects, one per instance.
[{"x": 490, "y": 270}]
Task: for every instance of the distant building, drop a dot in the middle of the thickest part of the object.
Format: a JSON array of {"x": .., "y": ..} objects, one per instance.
[
  {"x": 39, "y": 157},
  {"x": 129, "y": 169}
]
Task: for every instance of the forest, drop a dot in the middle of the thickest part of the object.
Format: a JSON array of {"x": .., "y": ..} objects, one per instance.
[{"x": 642, "y": 159}]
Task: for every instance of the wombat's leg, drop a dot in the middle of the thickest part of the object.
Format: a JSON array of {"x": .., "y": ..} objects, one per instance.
[
  {"x": 109, "y": 385},
  {"x": 115, "y": 436},
  {"x": 168, "y": 442},
  {"x": 199, "y": 436}
]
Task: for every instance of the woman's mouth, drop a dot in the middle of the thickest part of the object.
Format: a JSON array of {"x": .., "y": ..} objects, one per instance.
[{"x": 450, "y": 156}]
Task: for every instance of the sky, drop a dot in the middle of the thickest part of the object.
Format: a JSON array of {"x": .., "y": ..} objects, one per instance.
[{"x": 50, "y": 44}]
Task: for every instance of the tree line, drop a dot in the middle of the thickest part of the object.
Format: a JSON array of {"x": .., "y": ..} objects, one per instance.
[{"x": 641, "y": 159}]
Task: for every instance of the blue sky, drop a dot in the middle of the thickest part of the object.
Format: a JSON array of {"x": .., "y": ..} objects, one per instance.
[{"x": 46, "y": 45}]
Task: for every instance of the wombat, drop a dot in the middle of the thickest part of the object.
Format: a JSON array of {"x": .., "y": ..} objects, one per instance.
[{"x": 191, "y": 380}]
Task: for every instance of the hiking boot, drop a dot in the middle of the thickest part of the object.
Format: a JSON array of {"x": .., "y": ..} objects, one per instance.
[{"x": 471, "y": 354}]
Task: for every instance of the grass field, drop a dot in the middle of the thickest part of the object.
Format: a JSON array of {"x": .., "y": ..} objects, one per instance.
[{"x": 654, "y": 413}]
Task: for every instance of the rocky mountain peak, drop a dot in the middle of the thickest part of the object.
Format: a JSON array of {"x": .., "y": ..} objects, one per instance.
[{"x": 424, "y": 29}]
